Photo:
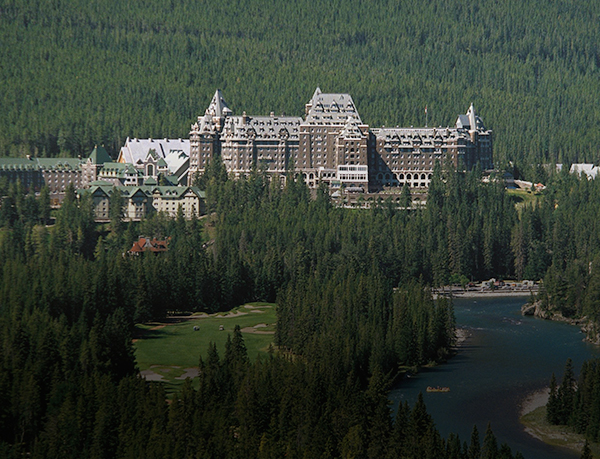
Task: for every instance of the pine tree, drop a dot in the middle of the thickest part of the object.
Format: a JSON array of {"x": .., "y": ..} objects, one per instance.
[
  {"x": 474, "y": 451},
  {"x": 489, "y": 450},
  {"x": 552, "y": 407},
  {"x": 587, "y": 452},
  {"x": 566, "y": 394}
]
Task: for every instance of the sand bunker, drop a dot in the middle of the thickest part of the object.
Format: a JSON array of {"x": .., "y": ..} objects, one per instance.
[
  {"x": 189, "y": 373},
  {"x": 150, "y": 375},
  {"x": 255, "y": 330}
]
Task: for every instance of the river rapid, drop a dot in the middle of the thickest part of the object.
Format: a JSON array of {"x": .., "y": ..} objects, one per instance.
[{"x": 503, "y": 361}]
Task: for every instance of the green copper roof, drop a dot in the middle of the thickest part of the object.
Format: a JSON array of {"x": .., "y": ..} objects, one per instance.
[{"x": 99, "y": 155}]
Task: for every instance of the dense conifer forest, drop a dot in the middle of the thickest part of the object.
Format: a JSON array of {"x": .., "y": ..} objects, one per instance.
[
  {"x": 77, "y": 73},
  {"x": 354, "y": 309},
  {"x": 352, "y": 286},
  {"x": 576, "y": 402}
]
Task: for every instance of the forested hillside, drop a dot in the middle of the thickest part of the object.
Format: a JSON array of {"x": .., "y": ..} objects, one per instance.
[
  {"x": 76, "y": 73},
  {"x": 354, "y": 310}
]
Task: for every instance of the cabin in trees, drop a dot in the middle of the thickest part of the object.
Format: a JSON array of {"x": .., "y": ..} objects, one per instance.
[
  {"x": 145, "y": 244},
  {"x": 332, "y": 145}
]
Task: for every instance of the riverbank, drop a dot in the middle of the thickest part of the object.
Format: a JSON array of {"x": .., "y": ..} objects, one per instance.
[
  {"x": 533, "y": 418},
  {"x": 586, "y": 325},
  {"x": 459, "y": 294}
]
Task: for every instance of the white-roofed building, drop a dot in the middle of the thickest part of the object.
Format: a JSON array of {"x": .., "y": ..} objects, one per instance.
[
  {"x": 589, "y": 170},
  {"x": 154, "y": 157}
]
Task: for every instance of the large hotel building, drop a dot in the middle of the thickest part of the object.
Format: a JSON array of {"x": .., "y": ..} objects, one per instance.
[{"x": 331, "y": 144}]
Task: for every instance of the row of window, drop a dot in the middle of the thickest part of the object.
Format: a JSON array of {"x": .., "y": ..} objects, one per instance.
[{"x": 403, "y": 177}]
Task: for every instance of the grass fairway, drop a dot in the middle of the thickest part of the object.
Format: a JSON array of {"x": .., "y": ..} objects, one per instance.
[
  {"x": 535, "y": 423},
  {"x": 522, "y": 198},
  {"x": 169, "y": 351}
]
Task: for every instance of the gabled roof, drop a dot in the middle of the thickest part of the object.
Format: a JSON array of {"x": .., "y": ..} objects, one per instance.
[
  {"x": 99, "y": 155},
  {"x": 119, "y": 170},
  {"x": 470, "y": 121},
  {"x": 167, "y": 191},
  {"x": 48, "y": 164},
  {"x": 135, "y": 151},
  {"x": 590, "y": 170},
  {"x": 176, "y": 160},
  {"x": 144, "y": 244},
  {"x": 262, "y": 127},
  {"x": 18, "y": 164},
  {"x": 175, "y": 192},
  {"x": 330, "y": 109},
  {"x": 351, "y": 130},
  {"x": 411, "y": 136}
]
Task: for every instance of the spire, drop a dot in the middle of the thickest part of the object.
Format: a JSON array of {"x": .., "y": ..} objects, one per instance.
[
  {"x": 472, "y": 117},
  {"x": 218, "y": 107}
]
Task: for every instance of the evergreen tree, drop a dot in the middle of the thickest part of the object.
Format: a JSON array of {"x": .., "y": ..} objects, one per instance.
[
  {"x": 552, "y": 408},
  {"x": 587, "y": 452},
  {"x": 489, "y": 449},
  {"x": 116, "y": 214},
  {"x": 474, "y": 451},
  {"x": 566, "y": 394}
]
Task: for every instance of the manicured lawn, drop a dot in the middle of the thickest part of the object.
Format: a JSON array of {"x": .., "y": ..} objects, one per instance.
[{"x": 171, "y": 350}]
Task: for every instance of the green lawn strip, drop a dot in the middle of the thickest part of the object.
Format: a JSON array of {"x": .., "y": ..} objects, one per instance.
[
  {"x": 522, "y": 198},
  {"x": 562, "y": 436},
  {"x": 172, "y": 348}
]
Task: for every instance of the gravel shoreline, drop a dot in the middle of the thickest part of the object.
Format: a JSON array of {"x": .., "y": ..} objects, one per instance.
[
  {"x": 487, "y": 294},
  {"x": 534, "y": 400}
]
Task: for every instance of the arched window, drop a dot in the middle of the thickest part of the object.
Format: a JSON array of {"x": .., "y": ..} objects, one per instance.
[{"x": 150, "y": 170}]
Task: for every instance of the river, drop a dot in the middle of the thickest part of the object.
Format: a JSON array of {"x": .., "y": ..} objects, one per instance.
[{"x": 505, "y": 358}]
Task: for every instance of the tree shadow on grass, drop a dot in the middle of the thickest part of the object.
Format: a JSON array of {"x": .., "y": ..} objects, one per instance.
[{"x": 146, "y": 333}]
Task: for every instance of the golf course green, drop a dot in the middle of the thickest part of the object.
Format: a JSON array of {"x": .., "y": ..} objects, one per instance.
[{"x": 169, "y": 351}]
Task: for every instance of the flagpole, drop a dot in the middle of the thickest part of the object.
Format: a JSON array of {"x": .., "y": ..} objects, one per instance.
[{"x": 426, "y": 117}]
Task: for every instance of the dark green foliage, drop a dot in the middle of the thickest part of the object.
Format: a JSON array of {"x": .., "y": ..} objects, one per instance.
[
  {"x": 350, "y": 313},
  {"x": 566, "y": 394},
  {"x": 77, "y": 74},
  {"x": 577, "y": 404},
  {"x": 116, "y": 211},
  {"x": 474, "y": 451},
  {"x": 489, "y": 449},
  {"x": 552, "y": 407},
  {"x": 558, "y": 238},
  {"x": 587, "y": 452}
]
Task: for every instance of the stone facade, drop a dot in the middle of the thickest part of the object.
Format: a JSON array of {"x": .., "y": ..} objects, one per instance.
[
  {"x": 331, "y": 144},
  {"x": 35, "y": 173},
  {"x": 140, "y": 201}
]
